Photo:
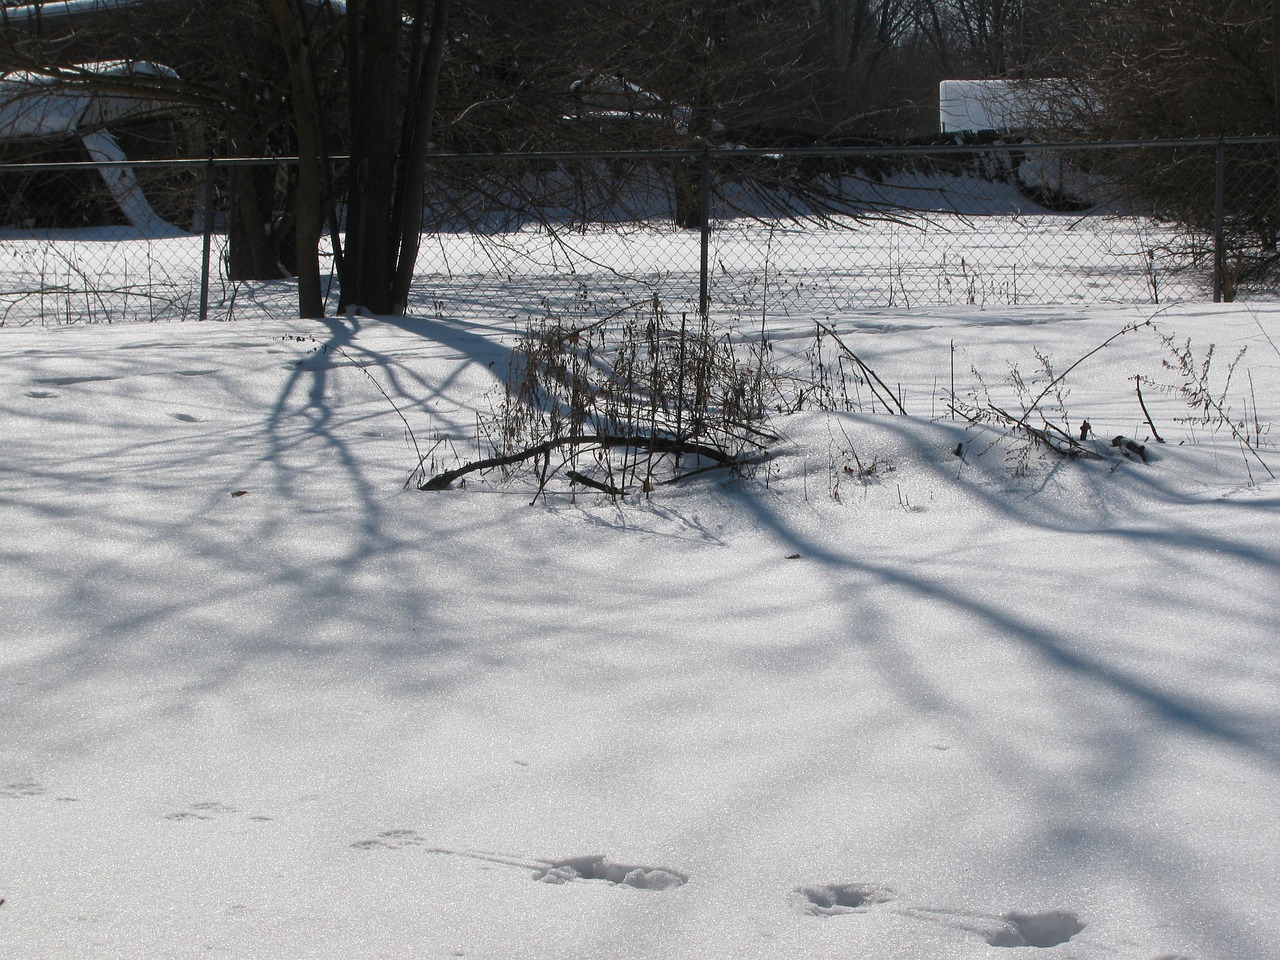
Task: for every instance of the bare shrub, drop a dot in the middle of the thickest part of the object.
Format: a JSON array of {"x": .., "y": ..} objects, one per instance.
[{"x": 626, "y": 402}]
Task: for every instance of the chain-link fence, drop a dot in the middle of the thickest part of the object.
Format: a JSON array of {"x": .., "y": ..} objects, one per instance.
[{"x": 729, "y": 231}]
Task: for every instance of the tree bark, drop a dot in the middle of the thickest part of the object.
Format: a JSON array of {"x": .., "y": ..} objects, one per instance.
[
  {"x": 373, "y": 46},
  {"x": 424, "y": 85},
  {"x": 309, "y": 199},
  {"x": 1270, "y": 238},
  {"x": 252, "y": 253}
]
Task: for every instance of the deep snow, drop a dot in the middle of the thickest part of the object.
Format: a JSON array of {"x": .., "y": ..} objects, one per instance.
[{"x": 988, "y": 703}]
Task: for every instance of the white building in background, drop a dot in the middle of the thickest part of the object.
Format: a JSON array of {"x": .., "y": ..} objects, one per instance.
[
  {"x": 1007, "y": 106},
  {"x": 69, "y": 102},
  {"x": 1025, "y": 110}
]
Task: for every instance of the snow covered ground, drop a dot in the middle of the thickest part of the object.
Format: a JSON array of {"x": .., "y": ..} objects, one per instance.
[
  {"x": 958, "y": 248},
  {"x": 959, "y": 699}
]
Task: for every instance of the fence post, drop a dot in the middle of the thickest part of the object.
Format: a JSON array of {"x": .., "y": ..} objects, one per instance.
[
  {"x": 207, "y": 240},
  {"x": 1219, "y": 216},
  {"x": 704, "y": 215}
]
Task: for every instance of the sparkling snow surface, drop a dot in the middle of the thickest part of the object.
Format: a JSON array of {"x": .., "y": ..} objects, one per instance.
[{"x": 258, "y": 700}]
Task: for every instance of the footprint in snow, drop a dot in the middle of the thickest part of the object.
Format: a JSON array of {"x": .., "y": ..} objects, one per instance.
[
  {"x": 210, "y": 810},
  {"x": 391, "y": 840},
  {"x": 833, "y": 899},
  {"x": 600, "y": 867},
  {"x": 72, "y": 381},
  {"x": 1016, "y": 928},
  {"x": 1047, "y": 929},
  {"x": 593, "y": 867},
  {"x": 22, "y": 788}
]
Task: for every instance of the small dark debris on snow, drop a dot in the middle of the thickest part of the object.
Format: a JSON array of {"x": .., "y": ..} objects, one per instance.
[
  {"x": 580, "y": 478},
  {"x": 239, "y": 493},
  {"x": 1130, "y": 448},
  {"x": 793, "y": 556}
]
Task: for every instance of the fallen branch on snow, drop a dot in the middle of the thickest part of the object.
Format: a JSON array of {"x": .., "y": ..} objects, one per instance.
[{"x": 658, "y": 444}]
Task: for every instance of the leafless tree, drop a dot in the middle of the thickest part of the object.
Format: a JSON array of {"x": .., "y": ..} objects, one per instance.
[
  {"x": 230, "y": 77},
  {"x": 1190, "y": 68}
]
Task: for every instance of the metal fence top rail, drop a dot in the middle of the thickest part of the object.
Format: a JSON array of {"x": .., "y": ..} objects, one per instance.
[
  {"x": 877, "y": 150},
  {"x": 686, "y": 153}
]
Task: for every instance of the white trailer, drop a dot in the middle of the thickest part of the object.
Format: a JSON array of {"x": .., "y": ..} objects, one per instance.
[
  {"x": 1007, "y": 106},
  {"x": 1023, "y": 110}
]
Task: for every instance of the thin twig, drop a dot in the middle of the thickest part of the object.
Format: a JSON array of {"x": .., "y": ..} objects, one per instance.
[
  {"x": 1137, "y": 382},
  {"x": 1128, "y": 328},
  {"x": 884, "y": 393},
  {"x": 1051, "y": 436}
]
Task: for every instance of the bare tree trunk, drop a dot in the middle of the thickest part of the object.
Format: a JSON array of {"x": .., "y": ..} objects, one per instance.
[
  {"x": 373, "y": 47},
  {"x": 309, "y": 200},
  {"x": 707, "y": 26},
  {"x": 390, "y": 130},
  {"x": 424, "y": 85},
  {"x": 252, "y": 255},
  {"x": 1270, "y": 240},
  {"x": 1275, "y": 62}
]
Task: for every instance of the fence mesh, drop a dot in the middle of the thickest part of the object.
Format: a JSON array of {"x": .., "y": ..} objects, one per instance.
[{"x": 760, "y": 234}]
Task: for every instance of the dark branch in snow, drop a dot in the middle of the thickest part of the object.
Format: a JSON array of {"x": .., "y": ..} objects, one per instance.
[{"x": 658, "y": 444}]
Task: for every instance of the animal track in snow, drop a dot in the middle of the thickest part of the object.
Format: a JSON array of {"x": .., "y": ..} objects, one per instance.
[
  {"x": 1047, "y": 929},
  {"x": 832, "y": 899},
  {"x": 600, "y": 867},
  {"x": 209, "y": 810},
  {"x": 1016, "y": 928},
  {"x": 22, "y": 788},
  {"x": 596, "y": 867},
  {"x": 391, "y": 840},
  {"x": 72, "y": 381}
]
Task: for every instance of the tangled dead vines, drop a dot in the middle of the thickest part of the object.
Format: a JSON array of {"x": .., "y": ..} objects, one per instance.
[{"x": 620, "y": 403}]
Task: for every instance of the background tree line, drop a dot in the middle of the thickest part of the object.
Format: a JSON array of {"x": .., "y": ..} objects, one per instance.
[{"x": 387, "y": 81}]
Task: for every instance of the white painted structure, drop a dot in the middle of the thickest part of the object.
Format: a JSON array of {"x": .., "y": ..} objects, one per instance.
[
  {"x": 1005, "y": 106},
  {"x": 57, "y": 10},
  {"x": 62, "y": 9},
  {"x": 71, "y": 102},
  {"x": 1020, "y": 109}
]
